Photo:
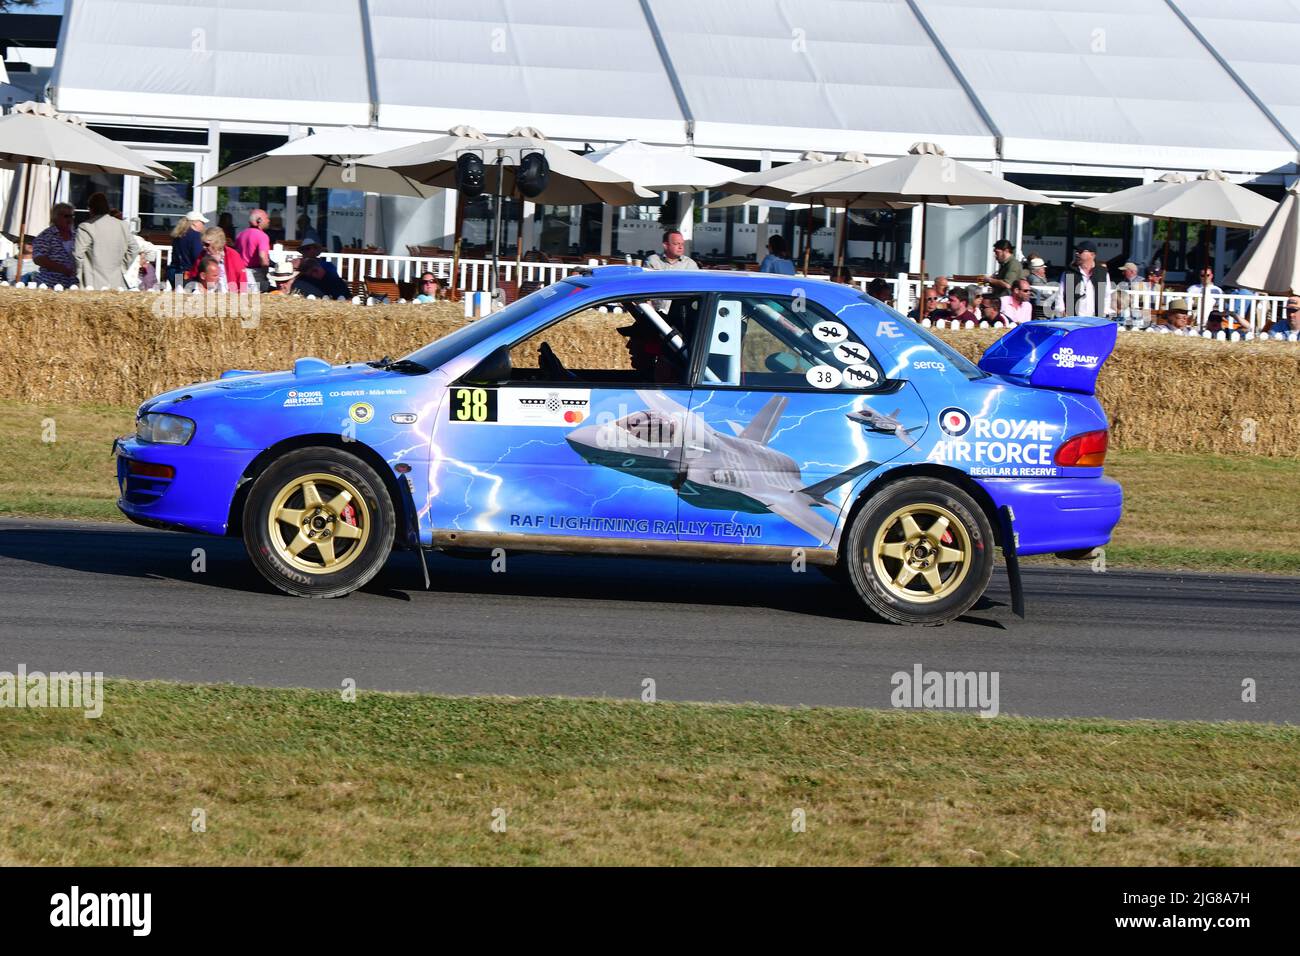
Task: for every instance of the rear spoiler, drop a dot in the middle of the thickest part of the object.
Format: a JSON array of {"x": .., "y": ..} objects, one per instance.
[{"x": 1061, "y": 354}]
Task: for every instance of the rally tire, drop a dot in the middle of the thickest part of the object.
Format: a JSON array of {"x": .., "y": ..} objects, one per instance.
[
  {"x": 919, "y": 552},
  {"x": 319, "y": 523}
]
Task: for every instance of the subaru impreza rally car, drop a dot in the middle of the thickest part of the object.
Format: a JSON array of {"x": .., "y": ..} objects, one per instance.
[{"x": 708, "y": 415}]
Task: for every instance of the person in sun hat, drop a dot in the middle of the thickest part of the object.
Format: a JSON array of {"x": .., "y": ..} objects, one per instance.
[
  {"x": 1176, "y": 318},
  {"x": 187, "y": 246}
]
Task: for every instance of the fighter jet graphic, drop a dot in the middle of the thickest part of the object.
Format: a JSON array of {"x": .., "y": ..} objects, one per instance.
[
  {"x": 887, "y": 424},
  {"x": 669, "y": 445}
]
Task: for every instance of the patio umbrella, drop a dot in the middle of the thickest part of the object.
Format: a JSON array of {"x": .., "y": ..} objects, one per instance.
[
  {"x": 1135, "y": 194},
  {"x": 924, "y": 175},
  {"x": 35, "y": 135},
  {"x": 572, "y": 181},
  {"x": 664, "y": 170},
  {"x": 808, "y": 174},
  {"x": 1211, "y": 198},
  {"x": 327, "y": 159},
  {"x": 1271, "y": 263}
]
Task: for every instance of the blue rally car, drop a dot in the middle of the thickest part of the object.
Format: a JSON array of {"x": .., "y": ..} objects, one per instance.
[{"x": 707, "y": 415}]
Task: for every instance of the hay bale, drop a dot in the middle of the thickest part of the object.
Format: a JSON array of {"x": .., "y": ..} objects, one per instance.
[{"x": 1163, "y": 393}]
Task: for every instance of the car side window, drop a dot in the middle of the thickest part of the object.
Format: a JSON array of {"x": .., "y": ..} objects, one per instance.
[
  {"x": 637, "y": 341},
  {"x": 783, "y": 342}
]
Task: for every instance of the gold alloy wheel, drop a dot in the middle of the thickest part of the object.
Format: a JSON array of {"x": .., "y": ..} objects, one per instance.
[
  {"x": 921, "y": 553},
  {"x": 308, "y": 523}
]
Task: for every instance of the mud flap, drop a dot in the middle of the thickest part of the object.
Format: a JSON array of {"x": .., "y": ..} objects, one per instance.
[{"x": 1007, "y": 520}]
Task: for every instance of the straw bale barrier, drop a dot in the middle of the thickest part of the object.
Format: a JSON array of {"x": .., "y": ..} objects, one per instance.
[{"x": 1162, "y": 393}]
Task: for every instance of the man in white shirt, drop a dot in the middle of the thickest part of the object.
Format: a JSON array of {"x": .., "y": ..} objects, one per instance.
[
  {"x": 1206, "y": 284},
  {"x": 1085, "y": 287}
]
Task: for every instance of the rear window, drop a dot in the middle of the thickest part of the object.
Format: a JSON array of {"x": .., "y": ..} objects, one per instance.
[{"x": 958, "y": 361}]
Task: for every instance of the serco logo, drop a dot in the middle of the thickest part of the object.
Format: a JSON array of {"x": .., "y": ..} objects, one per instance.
[{"x": 954, "y": 421}]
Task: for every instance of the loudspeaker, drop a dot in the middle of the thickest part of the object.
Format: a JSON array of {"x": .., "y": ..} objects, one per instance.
[
  {"x": 534, "y": 172},
  {"x": 469, "y": 175}
]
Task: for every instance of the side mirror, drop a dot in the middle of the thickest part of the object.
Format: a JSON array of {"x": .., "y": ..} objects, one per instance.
[{"x": 493, "y": 370}]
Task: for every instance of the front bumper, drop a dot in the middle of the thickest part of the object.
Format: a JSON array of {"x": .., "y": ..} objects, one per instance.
[
  {"x": 1060, "y": 514},
  {"x": 198, "y": 495}
]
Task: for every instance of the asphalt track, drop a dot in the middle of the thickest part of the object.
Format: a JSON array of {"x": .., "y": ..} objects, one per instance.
[{"x": 1124, "y": 644}]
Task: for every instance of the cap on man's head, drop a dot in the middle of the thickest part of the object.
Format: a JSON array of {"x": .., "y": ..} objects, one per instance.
[
  {"x": 195, "y": 216},
  {"x": 1036, "y": 263},
  {"x": 1178, "y": 305},
  {"x": 281, "y": 273},
  {"x": 310, "y": 240},
  {"x": 1085, "y": 245},
  {"x": 1130, "y": 265}
]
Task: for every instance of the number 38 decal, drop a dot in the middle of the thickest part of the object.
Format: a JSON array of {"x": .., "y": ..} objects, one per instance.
[{"x": 473, "y": 405}]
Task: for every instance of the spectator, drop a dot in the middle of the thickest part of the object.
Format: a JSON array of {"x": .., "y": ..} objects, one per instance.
[
  {"x": 104, "y": 248},
  {"x": 839, "y": 274},
  {"x": 281, "y": 278},
  {"x": 10, "y": 268},
  {"x": 327, "y": 282},
  {"x": 1085, "y": 287},
  {"x": 1044, "y": 300},
  {"x": 187, "y": 247},
  {"x": 231, "y": 264},
  {"x": 208, "y": 275},
  {"x": 990, "y": 309},
  {"x": 1018, "y": 307},
  {"x": 255, "y": 246},
  {"x": 778, "y": 257},
  {"x": 941, "y": 290},
  {"x": 674, "y": 254},
  {"x": 928, "y": 307},
  {"x": 430, "y": 288},
  {"x": 142, "y": 274},
  {"x": 1214, "y": 322},
  {"x": 317, "y": 277},
  {"x": 1176, "y": 317},
  {"x": 1009, "y": 268},
  {"x": 959, "y": 305},
  {"x": 1207, "y": 285},
  {"x": 1290, "y": 320},
  {"x": 1127, "y": 305},
  {"x": 52, "y": 250},
  {"x": 879, "y": 289},
  {"x": 226, "y": 223}
]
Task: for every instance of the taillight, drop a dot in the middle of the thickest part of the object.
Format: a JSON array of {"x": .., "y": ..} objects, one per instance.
[{"x": 1084, "y": 451}]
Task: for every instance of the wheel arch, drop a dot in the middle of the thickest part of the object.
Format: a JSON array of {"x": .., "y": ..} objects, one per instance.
[
  {"x": 400, "y": 496},
  {"x": 925, "y": 470}
]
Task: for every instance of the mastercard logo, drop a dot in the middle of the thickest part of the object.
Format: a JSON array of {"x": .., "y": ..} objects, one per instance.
[
  {"x": 954, "y": 421},
  {"x": 572, "y": 417}
]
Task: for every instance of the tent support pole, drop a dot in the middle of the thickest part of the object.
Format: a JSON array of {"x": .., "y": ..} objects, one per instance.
[
  {"x": 496, "y": 220},
  {"x": 22, "y": 228},
  {"x": 807, "y": 239},
  {"x": 455, "y": 249}
]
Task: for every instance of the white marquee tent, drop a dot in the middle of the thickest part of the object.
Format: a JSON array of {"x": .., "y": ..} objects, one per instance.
[{"x": 1137, "y": 83}]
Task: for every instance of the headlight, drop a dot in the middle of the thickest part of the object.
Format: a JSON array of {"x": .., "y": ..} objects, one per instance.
[{"x": 164, "y": 429}]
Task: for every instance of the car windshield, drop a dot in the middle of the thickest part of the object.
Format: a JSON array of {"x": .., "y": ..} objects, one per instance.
[
  {"x": 442, "y": 350},
  {"x": 958, "y": 361}
]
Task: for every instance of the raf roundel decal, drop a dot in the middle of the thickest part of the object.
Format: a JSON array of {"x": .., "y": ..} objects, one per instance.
[
  {"x": 954, "y": 421},
  {"x": 830, "y": 332},
  {"x": 361, "y": 412}
]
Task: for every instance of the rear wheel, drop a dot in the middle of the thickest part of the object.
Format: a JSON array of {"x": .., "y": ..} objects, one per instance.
[
  {"x": 319, "y": 523},
  {"x": 920, "y": 552}
]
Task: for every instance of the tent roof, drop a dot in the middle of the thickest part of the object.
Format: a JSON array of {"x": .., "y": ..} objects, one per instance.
[{"x": 1129, "y": 83}]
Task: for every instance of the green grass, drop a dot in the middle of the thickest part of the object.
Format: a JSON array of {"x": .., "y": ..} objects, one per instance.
[
  {"x": 303, "y": 777},
  {"x": 1206, "y": 512}
]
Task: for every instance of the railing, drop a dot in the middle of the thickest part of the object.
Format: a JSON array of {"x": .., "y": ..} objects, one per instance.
[{"x": 1256, "y": 311}]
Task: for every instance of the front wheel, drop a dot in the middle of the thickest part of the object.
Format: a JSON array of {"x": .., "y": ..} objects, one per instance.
[
  {"x": 920, "y": 552},
  {"x": 319, "y": 523}
]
